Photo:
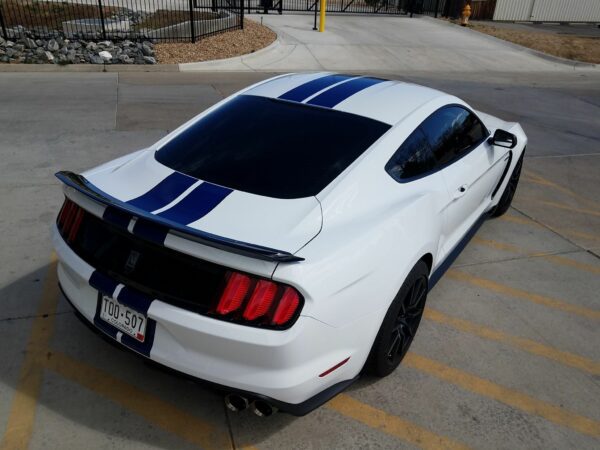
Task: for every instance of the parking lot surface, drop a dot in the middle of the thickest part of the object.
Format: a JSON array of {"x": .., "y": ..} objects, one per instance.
[{"x": 508, "y": 355}]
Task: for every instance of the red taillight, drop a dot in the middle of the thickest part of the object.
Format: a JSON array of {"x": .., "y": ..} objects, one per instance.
[
  {"x": 234, "y": 294},
  {"x": 69, "y": 220},
  {"x": 75, "y": 225},
  {"x": 261, "y": 300},
  {"x": 287, "y": 306}
]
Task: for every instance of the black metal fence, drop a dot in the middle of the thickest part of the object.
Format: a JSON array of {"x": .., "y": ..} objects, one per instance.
[
  {"x": 157, "y": 20},
  {"x": 403, "y": 7}
]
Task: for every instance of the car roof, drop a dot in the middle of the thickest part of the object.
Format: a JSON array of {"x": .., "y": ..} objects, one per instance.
[{"x": 384, "y": 100}]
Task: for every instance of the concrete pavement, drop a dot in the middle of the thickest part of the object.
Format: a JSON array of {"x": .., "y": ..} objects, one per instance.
[
  {"x": 383, "y": 44},
  {"x": 507, "y": 355}
]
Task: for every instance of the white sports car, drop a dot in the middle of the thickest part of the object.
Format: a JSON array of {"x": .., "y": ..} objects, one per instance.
[{"x": 284, "y": 240}]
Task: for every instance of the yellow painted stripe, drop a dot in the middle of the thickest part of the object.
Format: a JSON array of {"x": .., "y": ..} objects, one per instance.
[
  {"x": 504, "y": 395},
  {"x": 580, "y": 234},
  {"x": 524, "y": 295},
  {"x": 153, "y": 409},
  {"x": 22, "y": 413},
  {"x": 562, "y": 231},
  {"x": 591, "y": 212},
  {"x": 533, "y": 347},
  {"x": 572, "y": 263},
  {"x": 553, "y": 258},
  {"x": 390, "y": 424},
  {"x": 519, "y": 220},
  {"x": 538, "y": 179}
]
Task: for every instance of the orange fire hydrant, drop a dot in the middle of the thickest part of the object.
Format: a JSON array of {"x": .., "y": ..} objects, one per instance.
[{"x": 466, "y": 13}]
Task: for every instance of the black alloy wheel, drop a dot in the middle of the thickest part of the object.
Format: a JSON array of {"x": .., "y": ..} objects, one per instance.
[
  {"x": 509, "y": 191},
  {"x": 407, "y": 321},
  {"x": 400, "y": 324}
]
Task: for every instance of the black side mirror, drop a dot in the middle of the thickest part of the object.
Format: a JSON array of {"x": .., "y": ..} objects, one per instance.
[{"x": 503, "y": 138}]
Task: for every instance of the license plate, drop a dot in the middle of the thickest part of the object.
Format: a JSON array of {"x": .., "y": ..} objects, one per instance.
[{"x": 125, "y": 319}]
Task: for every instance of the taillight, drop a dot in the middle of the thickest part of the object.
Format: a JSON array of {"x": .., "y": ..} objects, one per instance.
[
  {"x": 69, "y": 220},
  {"x": 259, "y": 302},
  {"x": 287, "y": 306},
  {"x": 234, "y": 293}
]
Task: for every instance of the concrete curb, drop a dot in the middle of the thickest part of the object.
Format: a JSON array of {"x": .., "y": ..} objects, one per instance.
[
  {"x": 235, "y": 61},
  {"x": 556, "y": 59},
  {"x": 81, "y": 68}
]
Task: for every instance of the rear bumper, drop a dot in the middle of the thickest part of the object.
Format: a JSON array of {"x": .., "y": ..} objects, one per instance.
[{"x": 281, "y": 367}]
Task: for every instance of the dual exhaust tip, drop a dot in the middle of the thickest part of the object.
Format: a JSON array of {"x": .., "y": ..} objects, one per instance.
[{"x": 237, "y": 403}]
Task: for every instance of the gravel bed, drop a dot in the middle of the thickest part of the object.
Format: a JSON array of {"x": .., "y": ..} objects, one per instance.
[{"x": 224, "y": 45}]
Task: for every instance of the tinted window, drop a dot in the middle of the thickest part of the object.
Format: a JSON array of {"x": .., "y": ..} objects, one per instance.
[
  {"x": 413, "y": 158},
  {"x": 271, "y": 147},
  {"x": 453, "y": 131}
]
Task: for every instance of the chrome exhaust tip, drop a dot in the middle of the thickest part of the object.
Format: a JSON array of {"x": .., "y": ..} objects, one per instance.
[
  {"x": 236, "y": 402},
  {"x": 262, "y": 408}
]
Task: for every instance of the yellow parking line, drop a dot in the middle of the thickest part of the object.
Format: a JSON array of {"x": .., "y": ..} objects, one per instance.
[
  {"x": 553, "y": 258},
  {"x": 525, "y": 295},
  {"x": 567, "y": 231},
  {"x": 153, "y": 409},
  {"x": 22, "y": 413},
  {"x": 591, "y": 212},
  {"x": 538, "y": 179},
  {"x": 570, "y": 262},
  {"x": 504, "y": 395},
  {"x": 580, "y": 234},
  {"x": 390, "y": 424},
  {"x": 519, "y": 220},
  {"x": 562, "y": 357}
]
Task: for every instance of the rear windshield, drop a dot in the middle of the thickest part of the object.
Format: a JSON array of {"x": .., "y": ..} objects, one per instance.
[{"x": 271, "y": 147}]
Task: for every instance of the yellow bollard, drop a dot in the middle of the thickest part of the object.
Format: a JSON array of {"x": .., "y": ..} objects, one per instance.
[{"x": 323, "y": 7}]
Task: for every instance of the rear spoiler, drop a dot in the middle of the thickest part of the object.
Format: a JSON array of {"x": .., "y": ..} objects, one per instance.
[{"x": 81, "y": 184}]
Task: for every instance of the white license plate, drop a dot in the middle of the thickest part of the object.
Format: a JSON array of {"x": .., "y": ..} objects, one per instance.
[{"x": 125, "y": 319}]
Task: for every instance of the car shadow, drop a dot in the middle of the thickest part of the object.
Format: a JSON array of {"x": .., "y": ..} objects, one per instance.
[{"x": 68, "y": 402}]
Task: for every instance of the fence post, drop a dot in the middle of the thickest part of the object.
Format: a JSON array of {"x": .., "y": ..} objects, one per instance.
[
  {"x": 3, "y": 25},
  {"x": 437, "y": 7},
  {"x": 102, "y": 19},
  {"x": 315, "y": 25},
  {"x": 242, "y": 12},
  {"x": 412, "y": 7},
  {"x": 192, "y": 30}
]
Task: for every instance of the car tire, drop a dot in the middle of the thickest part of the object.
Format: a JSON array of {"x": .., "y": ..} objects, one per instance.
[
  {"x": 509, "y": 191},
  {"x": 400, "y": 324}
]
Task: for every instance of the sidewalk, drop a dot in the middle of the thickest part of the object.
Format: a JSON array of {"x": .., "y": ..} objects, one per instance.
[{"x": 382, "y": 44}]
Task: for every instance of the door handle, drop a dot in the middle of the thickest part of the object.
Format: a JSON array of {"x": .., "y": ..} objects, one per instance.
[{"x": 461, "y": 191}]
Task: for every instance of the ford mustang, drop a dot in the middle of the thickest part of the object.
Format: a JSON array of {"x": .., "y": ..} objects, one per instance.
[{"x": 284, "y": 241}]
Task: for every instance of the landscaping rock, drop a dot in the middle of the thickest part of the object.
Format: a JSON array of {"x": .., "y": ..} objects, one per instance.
[
  {"x": 149, "y": 60},
  {"x": 52, "y": 45},
  {"x": 147, "y": 51}
]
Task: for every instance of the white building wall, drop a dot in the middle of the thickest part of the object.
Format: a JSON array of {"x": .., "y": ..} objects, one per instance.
[{"x": 548, "y": 10}]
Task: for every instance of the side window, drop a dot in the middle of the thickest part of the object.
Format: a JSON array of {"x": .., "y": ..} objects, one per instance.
[
  {"x": 412, "y": 159},
  {"x": 453, "y": 131}
]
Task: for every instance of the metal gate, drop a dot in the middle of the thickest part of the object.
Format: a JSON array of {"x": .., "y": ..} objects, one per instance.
[{"x": 333, "y": 6}]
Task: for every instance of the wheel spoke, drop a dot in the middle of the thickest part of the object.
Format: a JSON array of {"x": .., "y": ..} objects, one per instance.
[{"x": 393, "y": 346}]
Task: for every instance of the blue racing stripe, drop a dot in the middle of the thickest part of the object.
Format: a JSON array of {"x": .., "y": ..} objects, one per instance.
[
  {"x": 116, "y": 217},
  {"x": 196, "y": 204},
  {"x": 135, "y": 299},
  {"x": 338, "y": 94},
  {"x": 103, "y": 283},
  {"x": 150, "y": 231},
  {"x": 302, "y": 92},
  {"x": 164, "y": 192}
]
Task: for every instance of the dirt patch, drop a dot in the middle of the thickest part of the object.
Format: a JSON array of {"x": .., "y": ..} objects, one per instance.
[
  {"x": 224, "y": 45},
  {"x": 37, "y": 14},
  {"x": 578, "y": 48}
]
